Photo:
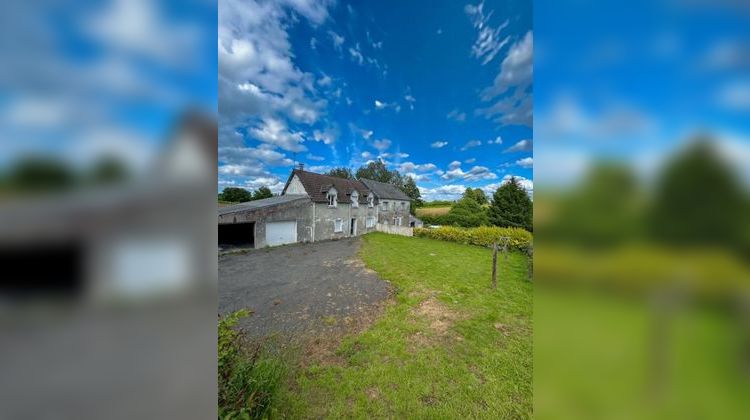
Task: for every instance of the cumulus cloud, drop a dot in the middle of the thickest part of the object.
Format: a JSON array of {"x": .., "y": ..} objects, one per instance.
[
  {"x": 470, "y": 160},
  {"x": 382, "y": 144},
  {"x": 367, "y": 155},
  {"x": 443, "y": 192},
  {"x": 456, "y": 115},
  {"x": 476, "y": 173},
  {"x": 438, "y": 144},
  {"x": 498, "y": 140},
  {"x": 418, "y": 177},
  {"x": 327, "y": 136},
  {"x": 412, "y": 167},
  {"x": 511, "y": 90},
  {"x": 380, "y": 105},
  {"x": 356, "y": 54},
  {"x": 488, "y": 42},
  {"x": 325, "y": 80},
  {"x": 259, "y": 157},
  {"x": 397, "y": 155},
  {"x": 527, "y": 162},
  {"x": 471, "y": 144},
  {"x": 525, "y": 183},
  {"x": 521, "y": 146},
  {"x": 273, "y": 131}
]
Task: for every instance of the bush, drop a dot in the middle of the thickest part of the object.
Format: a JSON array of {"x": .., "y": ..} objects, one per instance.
[
  {"x": 249, "y": 377},
  {"x": 482, "y": 236}
]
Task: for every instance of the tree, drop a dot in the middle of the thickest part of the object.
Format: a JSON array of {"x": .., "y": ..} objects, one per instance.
[
  {"x": 411, "y": 189},
  {"x": 467, "y": 213},
  {"x": 511, "y": 206},
  {"x": 341, "y": 172},
  {"x": 41, "y": 174},
  {"x": 698, "y": 200},
  {"x": 235, "y": 195},
  {"x": 262, "y": 192},
  {"x": 108, "y": 170},
  {"x": 476, "y": 194},
  {"x": 378, "y": 171}
]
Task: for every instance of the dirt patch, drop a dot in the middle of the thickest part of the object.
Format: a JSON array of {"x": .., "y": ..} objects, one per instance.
[
  {"x": 373, "y": 393},
  {"x": 438, "y": 315}
]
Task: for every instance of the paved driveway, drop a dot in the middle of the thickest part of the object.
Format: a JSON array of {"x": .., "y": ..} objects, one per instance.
[{"x": 299, "y": 288}]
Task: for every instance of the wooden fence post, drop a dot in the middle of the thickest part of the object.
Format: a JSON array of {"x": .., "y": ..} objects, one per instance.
[{"x": 494, "y": 265}]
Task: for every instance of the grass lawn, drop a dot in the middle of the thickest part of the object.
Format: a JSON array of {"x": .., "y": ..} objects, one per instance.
[
  {"x": 448, "y": 347},
  {"x": 599, "y": 360},
  {"x": 432, "y": 211}
]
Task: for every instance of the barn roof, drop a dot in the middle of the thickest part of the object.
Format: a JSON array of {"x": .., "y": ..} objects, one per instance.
[
  {"x": 383, "y": 190},
  {"x": 257, "y": 204},
  {"x": 317, "y": 186}
]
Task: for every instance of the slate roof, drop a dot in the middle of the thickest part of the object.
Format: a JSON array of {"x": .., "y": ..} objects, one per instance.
[
  {"x": 258, "y": 204},
  {"x": 385, "y": 191},
  {"x": 317, "y": 186}
]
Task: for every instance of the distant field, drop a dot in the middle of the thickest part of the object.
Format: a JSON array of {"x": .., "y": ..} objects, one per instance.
[
  {"x": 225, "y": 203},
  {"x": 433, "y": 211}
]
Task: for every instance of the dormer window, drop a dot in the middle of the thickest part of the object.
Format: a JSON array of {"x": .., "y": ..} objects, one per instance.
[
  {"x": 355, "y": 199},
  {"x": 332, "y": 197},
  {"x": 370, "y": 200}
]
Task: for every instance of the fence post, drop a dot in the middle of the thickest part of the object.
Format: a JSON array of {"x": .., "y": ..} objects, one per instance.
[{"x": 494, "y": 265}]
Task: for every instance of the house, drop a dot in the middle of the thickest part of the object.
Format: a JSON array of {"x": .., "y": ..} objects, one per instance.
[
  {"x": 393, "y": 204},
  {"x": 313, "y": 207}
]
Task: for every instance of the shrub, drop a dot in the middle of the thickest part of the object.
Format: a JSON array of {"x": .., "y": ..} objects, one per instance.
[
  {"x": 249, "y": 376},
  {"x": 520, "y": 239}
]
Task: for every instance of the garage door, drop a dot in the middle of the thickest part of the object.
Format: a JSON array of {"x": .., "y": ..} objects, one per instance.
[{"x": 279, "y": 233}]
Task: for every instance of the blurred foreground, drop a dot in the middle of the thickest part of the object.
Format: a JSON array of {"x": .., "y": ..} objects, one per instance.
[
  {"x": 642, "y": 210},
  {"x": 107, "y": 201}
]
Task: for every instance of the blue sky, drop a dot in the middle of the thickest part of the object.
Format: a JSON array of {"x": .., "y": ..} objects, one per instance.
[
  {"x": 439, "y": 90},
  {"x": 103, "y": 77},
  {"x": 635, "y": 81}
]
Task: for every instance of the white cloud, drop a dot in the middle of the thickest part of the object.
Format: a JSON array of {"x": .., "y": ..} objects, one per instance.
[
  {"x": 367, "y": 155},
  {"x": 274, "y": 131},
  {"x": 525, "y": 183},
  {"x": 325, "y": 80},
  {"x": 444, "y": 192},
  {"x": 476, "y": 173},
  {"x": 521, "y": 146},
  {"x": 488, "y": 42},
  {"x": 259, "y": 157},
  {"x": 455, "y": 164},
  {"x": 327, "y": 136},
  {"x": 735, "y": 96},
  {"x": 418, "y": 177},
  {"x": 527, "y": 162},
  {"x": 456, "y": 115},
  {"x": 511, "y": 89},
  {"x": 398, "y": 155},
  {"x": 410, "y": 99},
  {"x": 471, "y": 144},
  {"x": 380, "y": 105},
  {"x": 438, "y": 144},
  {"x": 313, "y": 43},
  {"x": 498, "y": 140},
  {"x": 382, "y": 144},
  {"x": 470, "y": 160},
  {"x": 337, "y": 40},
  {"x": 311, "y": 156},
  {"x": 356, "y": 54}
]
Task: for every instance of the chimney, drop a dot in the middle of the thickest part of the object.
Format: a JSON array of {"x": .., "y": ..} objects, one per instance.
[{"x": 301, "y": 166}]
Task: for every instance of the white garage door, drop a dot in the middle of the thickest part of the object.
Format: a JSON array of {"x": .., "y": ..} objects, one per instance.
[{"x": 279, "y": 233}]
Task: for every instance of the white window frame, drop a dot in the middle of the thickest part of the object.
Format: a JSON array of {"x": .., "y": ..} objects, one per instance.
[
  {"x": 332, "y": 197},
  {"x": 370, "y": 200},
  {"x": 385, "y": 205},
  {"x": 355, "y": 199},
  {"x": 338, "y": 225},
  {"x": 398, "y": 221},
  {"x": 370, "y": 222}
]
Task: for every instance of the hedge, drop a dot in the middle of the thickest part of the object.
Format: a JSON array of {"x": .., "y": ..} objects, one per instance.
[{"x": 520, "y": 239}]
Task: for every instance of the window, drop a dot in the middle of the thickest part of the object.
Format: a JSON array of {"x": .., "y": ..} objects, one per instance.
[
  {"x": 370, "y": 200},
  {"x": 403, "y": 205},
  {"x": 355, "y": 199},
  {"x": 370, "y": 222},
  {"x": 398, "y": 221},
  {"x": 385, "y": 205},
  {"x": 338, "y": 225},
  {"x": 332, "y": 198}
]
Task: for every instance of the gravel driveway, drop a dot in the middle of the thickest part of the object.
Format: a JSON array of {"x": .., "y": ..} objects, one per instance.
[{"x": 308, "y": 288}]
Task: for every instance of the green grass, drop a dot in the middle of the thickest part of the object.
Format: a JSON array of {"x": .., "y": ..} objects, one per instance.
[
  {"x": 466, "y": 353},
  {"x": 597, "y": 358}
]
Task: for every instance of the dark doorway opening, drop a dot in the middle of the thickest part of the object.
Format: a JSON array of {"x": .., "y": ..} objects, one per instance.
[
  {"x": 235, "y": 235},
  {"x": 353, "y": 227},
  {"x": 42, "y": 271}
]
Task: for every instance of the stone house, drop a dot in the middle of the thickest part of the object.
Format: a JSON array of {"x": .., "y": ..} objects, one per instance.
[
  {"x": 393, "y": 205},
  {"x": 313, "y": 207}
]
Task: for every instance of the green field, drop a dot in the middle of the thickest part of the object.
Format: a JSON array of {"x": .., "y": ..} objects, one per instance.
[
  {"x": 447, "y": 347},
  {"x": 604, "y": 356}
]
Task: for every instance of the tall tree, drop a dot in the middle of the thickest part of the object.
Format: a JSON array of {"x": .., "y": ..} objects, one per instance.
[
  {"x": 262, "y": 192},
  {"x": 108, "y": 170},
  {"x": 698, "y": 200},
  {"x": 342, "y": 172},
  {"x": 235, "y": 195},
  {"x": 467, "y": 213},
  {"x": 41, "y": 174},
  {"x": 411, "y": 189},
  {"x": 475, "y": 194},
  {"x": 511, "y": 206},
  {"x": 378, "y": 171}
]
